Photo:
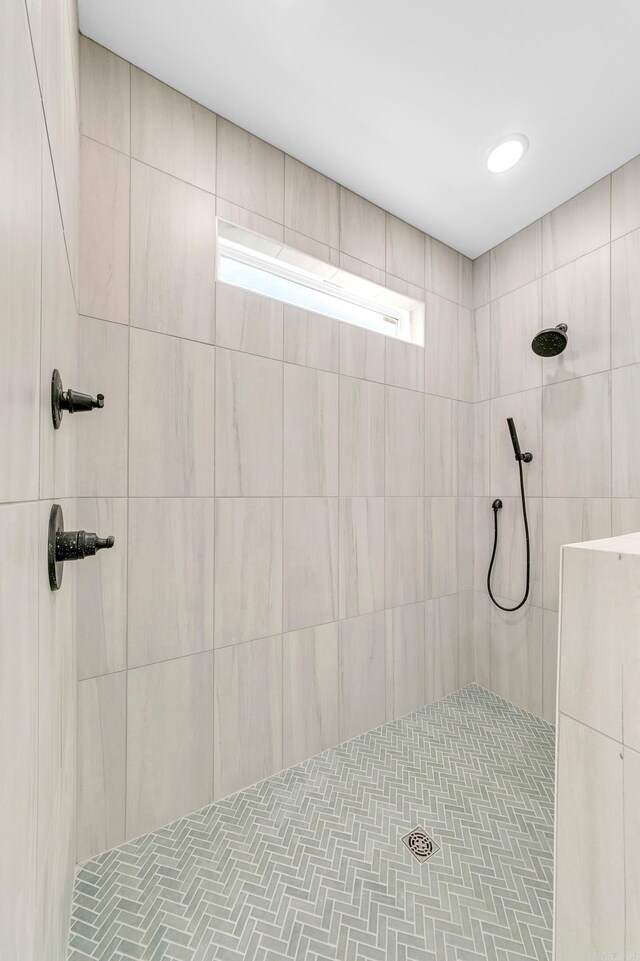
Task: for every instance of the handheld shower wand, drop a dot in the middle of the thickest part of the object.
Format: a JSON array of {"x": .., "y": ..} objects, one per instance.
[{"x": 526, "y": 457}]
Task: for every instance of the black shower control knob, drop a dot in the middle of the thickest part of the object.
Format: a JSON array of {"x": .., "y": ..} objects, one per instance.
[
  {"x": 70, "y": 400},
  {"x": 76, "y": 545}
]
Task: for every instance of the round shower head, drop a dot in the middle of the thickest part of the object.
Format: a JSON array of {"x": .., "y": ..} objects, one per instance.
[{"x": 551, "y": 341}]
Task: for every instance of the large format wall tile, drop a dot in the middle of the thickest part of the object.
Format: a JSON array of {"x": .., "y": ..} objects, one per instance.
[
  {"x": 441, "y": 347},
  {"x": 516, "y": 655},
  {"x": 362, "y": 674},
  {"x": 625, "y": 397},
  {"x": 172, "y": 255},
  {"x": 404, "y": 551},
  {"x": 170, "y": 589},
  {"x": 170, "y": 444},
  {"x": 625, "y": 300},
  {"x": 526, "y": 410},
  {"x": 441, "y": 546},
  {"x": 406, "y": 669},
  {"x": 310, "y": 432},
  {"x": 442, "y": 654},
  {"x": 549, "y": 666},
  {"x": 105, "y": 87},
  {"x": 362, "y": 229},
  {"x": 311, "y": 203},
  {"x": 443, "y": 270},
  {"x": 625, "y": 198},
  {"x": 311, "y": 339},
  {"x": 466, "y": 355},
  {"x": 250, "y": 172},
  {"x": 404, "y": 364},
  {"x": 516, "y": 261},
  {"x": 569, "y": 520},
  {"x": 362, "y": 447},
  {"x": 404, "y": 433},
  {"x": 578, "y": 226},
  {"x": 171, "y": 132},
  {"x": 508, "y": 577},
  {"x": 245, "y": 321},
  {"x": 361, "y": 575},
  {"x": 247, "y": 714},
  {"x": 404, "y": 251},
  {"x": 482, "y": 353},
  {"x": 515, "y": 319},
  {"x": 482, "y": 280},
  {"x": 362, "y": 353},
  {"x": 632, "y": 848},
  {"x": 249, "y": 431},
  {"x": 169, "y": 751},
  {"x": 248, "y": 569},
  {"x": 310, "y": 561},
  {"x": 439, "y": 447},
  {"x": 310, "y": 671}
]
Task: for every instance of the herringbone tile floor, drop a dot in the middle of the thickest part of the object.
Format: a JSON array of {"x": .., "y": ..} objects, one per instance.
[{"x": 309, "y": 864}]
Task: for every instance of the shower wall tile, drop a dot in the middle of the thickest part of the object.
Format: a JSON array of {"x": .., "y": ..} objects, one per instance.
[
  {"x": 441, "y": 347},
  {"x": 482, "y": 280},
  {"x": 516, "y": 655},
  {"x": 465, "y": 558},
  {"x": 170, "y": 455},
  {"x": 248, "y": 425},
  {"x": 172, "y": 254},
  {"x": 509, "y": 570},
  {"x": 404, "y": 364},
  {"x": 549, "y": 665},
  {"x": 169, "y": 752},
  {"x": 249, "y": 219},
  {"x": 625, "y": 515},
  {"x": 466, "y": 355},
  {"x": 465, "y": 285},
  {"x": 625, "y": 300},
  {"x": 105, "y": 88},
  {"x": 515, "y": 319},
  {"x": 104, "y": 232},
  {"x": 171, "y": 132},
  {"x": 361, "y": 269},
  {"x": 362, "y": 437},
  {"x": 441, "y": 620},
  {"x": 463, "y": 455},
  {"x": 482, "y": 449},
  {"x": 577, "y": 437},
  {"x": 170, "y": 594},
  {"x": 441, "y": 546},
  {"x": 311, "y": 339},
  {"x": 625, "y": 198},
  {"x": 482, "y": 639},
  {"x": 311, "y": 400},
  {"x": 466, "y": 670},
  {"x": 362, "y": 353},
  {"x": 306, "y": 245},
  {"x": 526, "y": 410},
  {"x": 625, "y": 391},
  {"x": 442, "y": 270},
  {"x": 310, "y": 707},
  {"x": 247, "y": 322},
  {"x": 578, "y": 226},
  {"x": 248, "y": 569},
  {"x": 362, "y": 229},
  {"x": 516, "y": 261},
  {"x": 310, "y": 561},
  {"x": 568, "y": 520},
  {"x": 482, "y": 353},
  {"x": 101, "y": 590},
  {"x": 406, "y": 660},
  {"x": 361, "y": 572},
  {"x": 404, "y": 251},
  {"x": 250, "y": 172},
  {"x": 579, "y": 295},
  {"x": 631, "y": 776},
  {"x": 103, "y": 366},
  {"x": 362, "y": 674},
  {"x": 102, "y": 743},
  {"x": 404, "y": 551},
  {"x": 440, "y": 448},
  {"x": 247, "y": 707},
  {"x": 404, "y": 432},
  {"x": 311, "y": 203}
]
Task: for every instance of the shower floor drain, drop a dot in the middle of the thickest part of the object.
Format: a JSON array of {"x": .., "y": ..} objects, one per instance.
[{"x": 421, "y": 844}]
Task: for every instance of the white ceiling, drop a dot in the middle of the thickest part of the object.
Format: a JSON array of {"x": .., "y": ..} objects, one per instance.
[{"x": 400, "y": 100}]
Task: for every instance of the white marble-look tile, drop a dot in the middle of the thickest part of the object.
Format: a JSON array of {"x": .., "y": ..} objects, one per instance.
[
  {"x": 105, "y": 89},
  {"x": 515, "y": 319},
  {"x": 526, "y": 410},
  {"x": 172, "y": 255},
  {"x": 247, "y": 711},
  {"x": 482, "y": 638},
  {"x": 625, "y": 515},
  {"x": 362, "y": 229},
  {"x": 441, "y": 631},
  {"x": 589, "y": 863},
  {"x": 362, "y": 353},
  {"x": 631, "y": 773},
  {"x": 516, "y": 261},
  {"x": 104, "y": 232},
  {"x": 569, "y": 520},
  {"x": 439, "y": 452},
  {"x": 362, "y": 674},
  {"x": 516, "y": 655},
  {"x": 577, "y": 437},
  {"x": 404, "y": 433},
  {"x": 310, "y": 671},
  {"x": 404, "y": 251},
  {"x": 465, "y": 532},
  {"x": 311, "y": 400},
  {"x": 248, "y": 425},
  {"x": 482, "y": 280},
  {"x": 578, "y": 294},
  {"x": 170, "y": 608},
  {"x": 482, "y": 353},
  {"x": 577, "y": 226},
  {"x": 464, "y": 452},
  {"x": 549, "y": 665},
  {"x": 361, "y": 574},
  {"x": 625, "y": 300},
  {"x": 466, "y": 669},
  {"x": 248, "y": 322},
  {"x": 442, "y": 268},
  {"x": 170, "y": 447},
  {"x": 508, "y": 577},
  {"x": 103, "y": 368},
  {"x": 101, "y": 590},
  {"x": 625, "y": 198},
  {"x": 102, "y": 742},
  {"x": 441, "y": 546},
  {"x": 404, "y": 551},
  {"x": 248, "y": 569},
  {"x": 311, "y": 203},
  {"x": 406, "y": 660},
  {"x": 362, "y": 437},
  {"x": 482, "y": 449},
  {"x": 441, "y": 347},
  {"x": 311, "y": 339},
  {"x": 250, "y": 172},
  {"x": 625, "y": 397},
  {"x": 171, "y": 132},
  {"x": 404, "y": 364},
  {"x": 466, "y": 355},
  {"x": 310, "y": 561},
  {"x": 169, "y": 751}
]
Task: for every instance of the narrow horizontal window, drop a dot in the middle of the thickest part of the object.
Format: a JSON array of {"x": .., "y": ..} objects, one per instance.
[{"x": 265, "y": 266}]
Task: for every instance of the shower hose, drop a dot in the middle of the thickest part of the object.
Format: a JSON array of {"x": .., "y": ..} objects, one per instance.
[{"x": 497, "y": 504}]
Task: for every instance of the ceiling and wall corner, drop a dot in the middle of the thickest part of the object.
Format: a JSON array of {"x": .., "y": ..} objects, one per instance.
[{"x": 402, "y": 102}]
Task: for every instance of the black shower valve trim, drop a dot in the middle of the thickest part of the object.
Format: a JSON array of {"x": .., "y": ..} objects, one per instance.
[{"x": 70, "y": 400}]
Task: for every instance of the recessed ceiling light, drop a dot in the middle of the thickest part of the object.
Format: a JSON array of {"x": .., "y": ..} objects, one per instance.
[{"x": 507, "y": 153}]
